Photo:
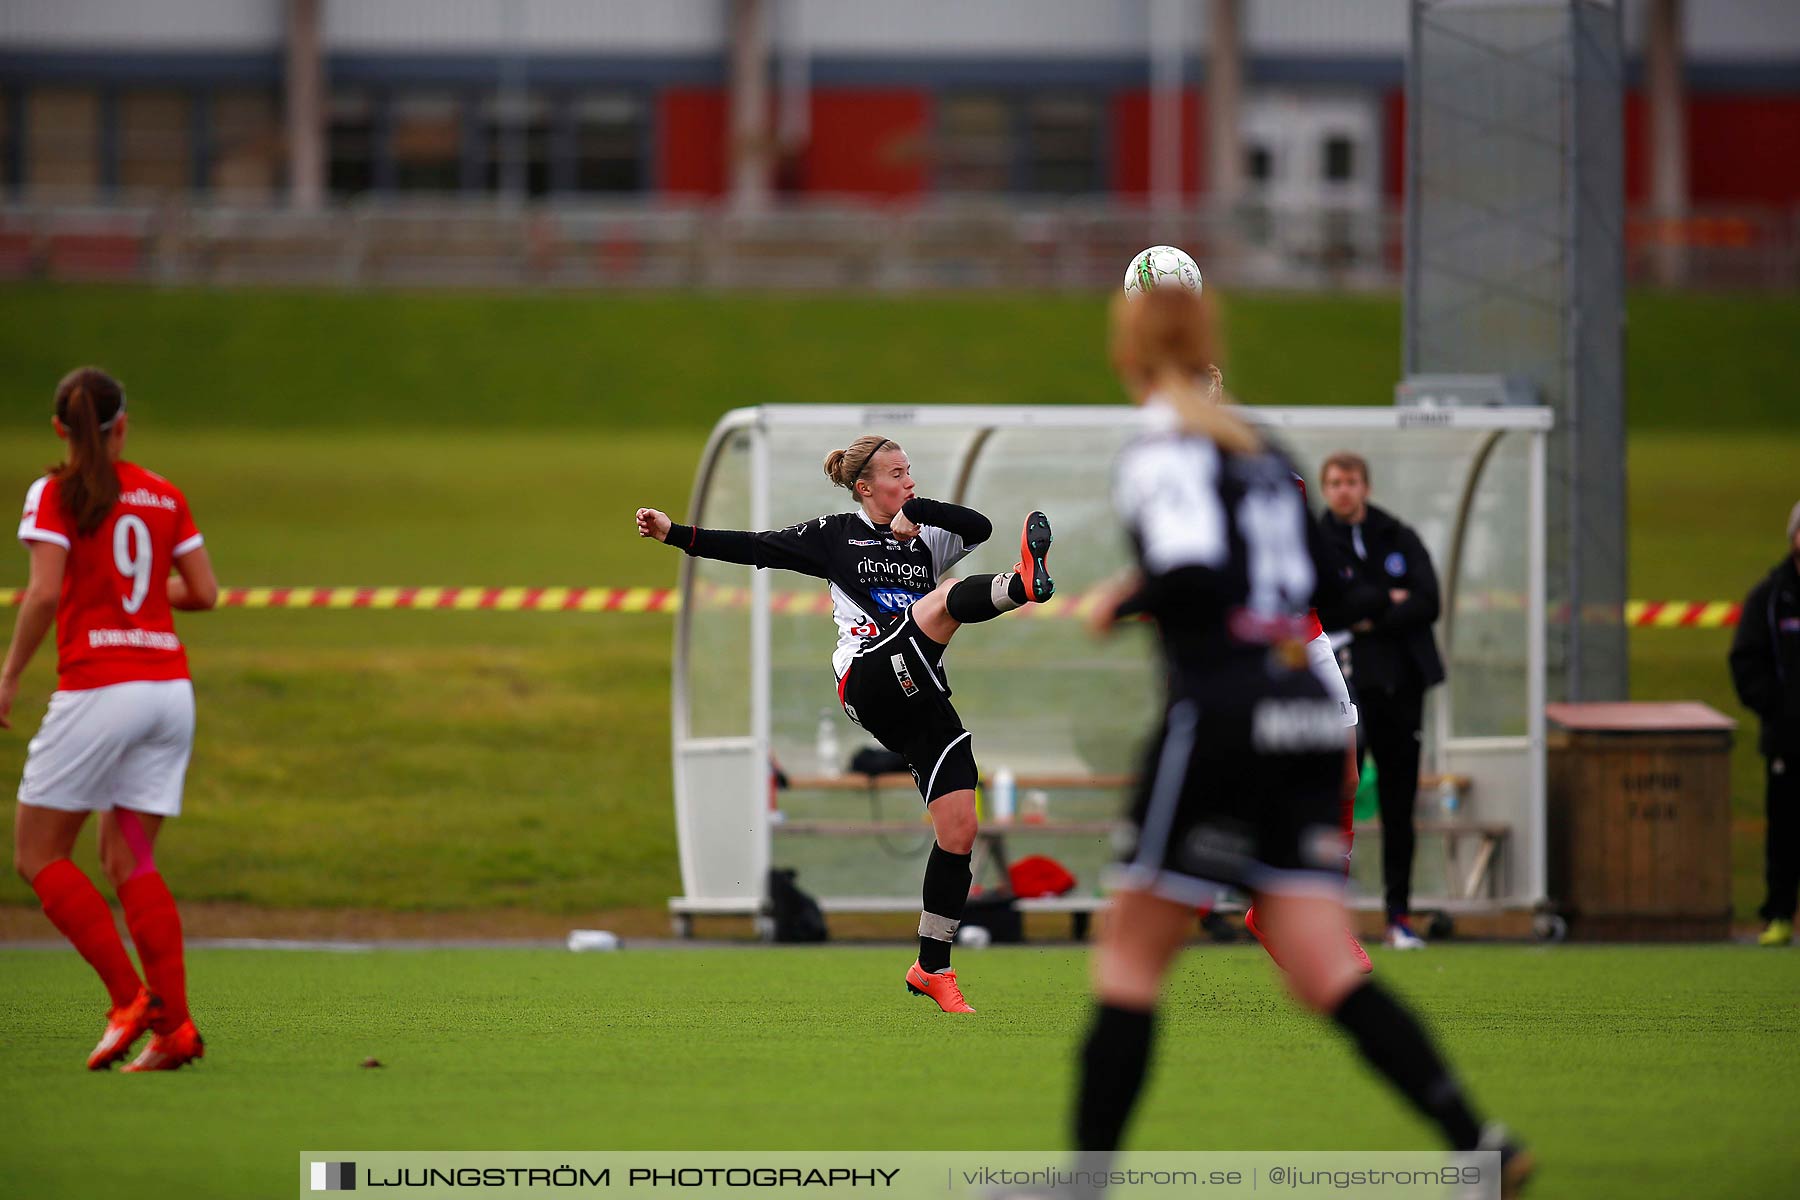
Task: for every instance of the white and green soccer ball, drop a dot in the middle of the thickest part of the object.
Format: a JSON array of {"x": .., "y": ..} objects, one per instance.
[{"x": 1161, "y": 266}]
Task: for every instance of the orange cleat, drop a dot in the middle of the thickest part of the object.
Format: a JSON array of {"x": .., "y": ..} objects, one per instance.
[
  {"x": 170, "y": 1051},
  {"x": 1356, "y": 951},
  {"x": 1034, "y": 547},
  {"x": 123, "y": 1027},
  {"x": 939, "y": 985}
]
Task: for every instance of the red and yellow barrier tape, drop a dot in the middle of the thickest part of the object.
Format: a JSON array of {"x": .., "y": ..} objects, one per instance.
[{"x": 1639, "y": 614}]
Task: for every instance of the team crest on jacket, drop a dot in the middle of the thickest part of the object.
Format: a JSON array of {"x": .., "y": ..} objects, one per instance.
[{"x": 1395, "y": 564}]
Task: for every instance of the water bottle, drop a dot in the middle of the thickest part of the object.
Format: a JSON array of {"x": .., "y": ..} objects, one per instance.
[
  {"x": 1037, "y": 806},
  {"x": 1005, "y": 794},
  {"x": 1449, "y": 798},
  {"x": 825, "y": 745}
]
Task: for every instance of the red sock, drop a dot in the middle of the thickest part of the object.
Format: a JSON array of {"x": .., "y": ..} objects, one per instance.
[
  {"x": 155, "y": 926},
  {"x": 76, "y": 907}
]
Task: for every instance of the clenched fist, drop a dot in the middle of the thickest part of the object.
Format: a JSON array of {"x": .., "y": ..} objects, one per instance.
[{"x": 653, "y": 524}]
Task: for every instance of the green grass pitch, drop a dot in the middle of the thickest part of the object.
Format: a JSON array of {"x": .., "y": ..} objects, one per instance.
[{"x": 1633, "y": 1071}]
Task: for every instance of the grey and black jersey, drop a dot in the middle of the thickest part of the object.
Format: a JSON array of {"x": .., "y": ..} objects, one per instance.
[
  {"x": 874, "y": 576},
  {"x": 1228, "y": 553}
]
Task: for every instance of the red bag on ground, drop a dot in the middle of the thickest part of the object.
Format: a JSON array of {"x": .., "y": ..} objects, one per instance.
[{"x": 1039, "y": 875}]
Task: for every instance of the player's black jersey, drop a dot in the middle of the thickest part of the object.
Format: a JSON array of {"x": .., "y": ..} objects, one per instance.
[
  {"x": 874, "y": 576},
  {"x": 1228, "y": 555}
]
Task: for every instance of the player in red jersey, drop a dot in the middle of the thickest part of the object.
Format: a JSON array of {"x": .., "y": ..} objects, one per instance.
[{"x": 103, "y": 535}]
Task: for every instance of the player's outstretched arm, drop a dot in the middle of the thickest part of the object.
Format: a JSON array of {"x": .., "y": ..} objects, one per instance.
[
  {"x": 785, "y": 549},
  {"x": 1118, "y": 599}
]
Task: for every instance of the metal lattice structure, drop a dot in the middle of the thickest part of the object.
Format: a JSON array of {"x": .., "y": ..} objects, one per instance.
[{"x": 1515, "y": 266}]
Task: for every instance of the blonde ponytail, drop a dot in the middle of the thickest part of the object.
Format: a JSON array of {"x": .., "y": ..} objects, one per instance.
[
  {"x": 1163, "y": 344},
  {"x": 845, "y": 467}
]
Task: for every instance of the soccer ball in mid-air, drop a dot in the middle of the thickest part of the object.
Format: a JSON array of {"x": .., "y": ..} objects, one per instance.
[{"x": 1161, "y": 266}]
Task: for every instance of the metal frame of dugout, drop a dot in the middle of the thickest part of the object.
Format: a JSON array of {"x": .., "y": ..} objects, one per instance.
[{"x": 1468, "y": 471}]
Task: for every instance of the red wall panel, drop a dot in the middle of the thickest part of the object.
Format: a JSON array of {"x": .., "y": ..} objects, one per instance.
[
  {"x": 1744, "y": 148},
  {"x": 1131, "y": 142},
  {"x": 867, "y": 142},
  {"x": 690, "y": 141},
  {"x": 1393, "y": 153},
  {"x": 1637, "y": 148}
]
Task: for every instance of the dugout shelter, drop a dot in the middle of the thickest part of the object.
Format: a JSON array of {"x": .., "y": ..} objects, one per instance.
[{"x": 753, "y": 691}]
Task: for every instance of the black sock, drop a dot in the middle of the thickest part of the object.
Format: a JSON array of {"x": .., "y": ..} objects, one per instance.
[
  {"x": 984, "y": 597},
  {"x": 947, "y": 879},
  {"x": 1114, "y": 1061},
  {"x": 1394, "y": 1044}
]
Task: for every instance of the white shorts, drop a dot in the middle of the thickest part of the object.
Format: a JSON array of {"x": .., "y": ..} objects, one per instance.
[
  {"x": 124, "y": 745},
  {"x": 1324, "y": 666}
]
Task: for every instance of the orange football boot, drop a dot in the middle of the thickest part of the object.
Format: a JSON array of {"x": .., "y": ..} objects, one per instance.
[
  {"x": 1034, "y": 546},
  {"x": 939, "y": 985},
  {"x": 123, "y": 1027},
  {"x": 170, "y": 1051}
]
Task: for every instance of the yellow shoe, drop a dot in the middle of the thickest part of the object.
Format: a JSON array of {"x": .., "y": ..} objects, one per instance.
[
  {"x": 939, "y": 985},
  {"x": 1779, "y": 933},
  {"x": 123, "y": 1027}
]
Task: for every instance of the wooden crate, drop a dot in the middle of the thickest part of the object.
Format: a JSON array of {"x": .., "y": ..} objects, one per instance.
[{"x": 1640, "y": 820}]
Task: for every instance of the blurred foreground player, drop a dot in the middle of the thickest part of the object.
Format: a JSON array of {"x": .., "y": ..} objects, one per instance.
[
  {"x": 103, "y": 536},
  {"x": 1169, "y": 267},
  {"x": 1240, "y": 783}
]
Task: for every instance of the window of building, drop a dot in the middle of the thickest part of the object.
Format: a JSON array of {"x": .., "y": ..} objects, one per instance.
[
  {"x": 1259, "y": 164},
  {"x": 1062, "y": 144},
  {"x": 62, "y": 142},
  {"x": 1340, "y": 158},
  {"x": 516, "y": 126},
  {"x": 9, "y": 144},
  {"x": 155, "y": 141},
  {"x": 974, "y": 144},
  {"x": 426, "y": 142},
  {"x": 244, "y": 149},
  {"x": 609, "y": 143},
  {"x": 350, "y": 143}
]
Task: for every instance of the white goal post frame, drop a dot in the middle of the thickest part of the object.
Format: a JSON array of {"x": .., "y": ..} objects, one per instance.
[{"x": 721, "y": 783}]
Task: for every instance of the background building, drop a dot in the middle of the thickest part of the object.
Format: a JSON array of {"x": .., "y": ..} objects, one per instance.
[{"x": 262, "y": 100}]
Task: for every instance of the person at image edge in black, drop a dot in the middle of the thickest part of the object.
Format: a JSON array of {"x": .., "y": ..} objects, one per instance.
[{"x": 1765, "y": 670}]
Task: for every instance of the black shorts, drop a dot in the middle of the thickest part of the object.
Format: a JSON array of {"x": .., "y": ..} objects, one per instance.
[
  {"x": 1241, "y": 791},
  {"x": 895, "y": 689}
]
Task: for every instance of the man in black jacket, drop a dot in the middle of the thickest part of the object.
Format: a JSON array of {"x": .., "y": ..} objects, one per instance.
[
  {"x": 1393, "y": 659},
  {"x": 1765, "y": 669}
]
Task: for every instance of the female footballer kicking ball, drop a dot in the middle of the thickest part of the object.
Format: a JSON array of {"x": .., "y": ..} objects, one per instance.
[
  {"x": 103, "y": 536},
  {"x": 1240, "y": 783},
  {"x": 896, "y": 611}
]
